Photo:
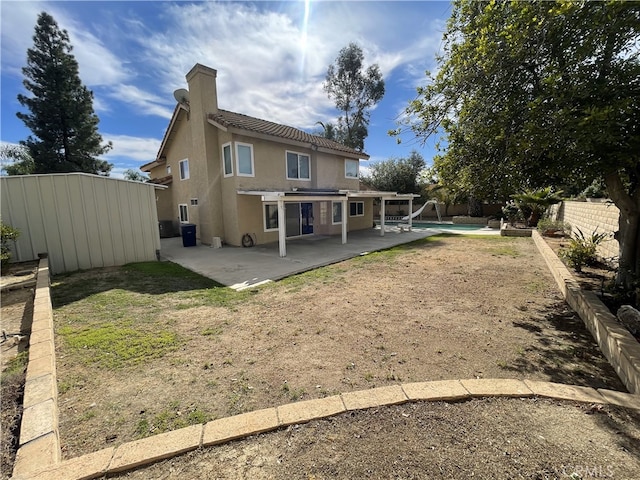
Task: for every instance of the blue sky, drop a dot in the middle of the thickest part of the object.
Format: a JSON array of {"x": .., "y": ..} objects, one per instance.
[{"x": 271, "y": 58}]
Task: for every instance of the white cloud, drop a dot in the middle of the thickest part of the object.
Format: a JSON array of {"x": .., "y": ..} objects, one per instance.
[
  {"x": 262, "y": 66},
  {"x": 135, "y": 148},
  {"x": 98, "y": 65},
  {"x": 146, "y": 103}
]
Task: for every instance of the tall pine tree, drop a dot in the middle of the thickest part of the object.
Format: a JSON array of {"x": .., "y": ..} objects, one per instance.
[{"x": 64, "y": 126}]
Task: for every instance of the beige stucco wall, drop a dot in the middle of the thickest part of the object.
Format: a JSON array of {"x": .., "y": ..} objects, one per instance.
[
  {"x": 244, "y": 214},
  {"x": 82, "y": 221},
  {"x": 589, "y": 217},
  {"x": 221, "y": 212}
]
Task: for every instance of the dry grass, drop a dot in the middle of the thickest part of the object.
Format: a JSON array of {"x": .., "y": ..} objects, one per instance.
[{"x": 442, "y": 308}]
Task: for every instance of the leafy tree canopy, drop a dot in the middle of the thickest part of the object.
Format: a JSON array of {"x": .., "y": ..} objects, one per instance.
[
  {"x": 354, "y": 90},
  {"x": 64, "y": 126},
  {"x": 397, "y": 175},
  {"x": 536, "y": 94},
  {"x": 135, "y": 176},
  {"x": 16, "y": 160}
]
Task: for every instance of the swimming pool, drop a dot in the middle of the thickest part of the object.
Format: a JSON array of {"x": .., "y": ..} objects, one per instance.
[{"x": 449, "y": 227}]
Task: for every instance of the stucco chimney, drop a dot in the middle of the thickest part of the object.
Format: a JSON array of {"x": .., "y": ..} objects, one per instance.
[{"x": 202, "y": 89}]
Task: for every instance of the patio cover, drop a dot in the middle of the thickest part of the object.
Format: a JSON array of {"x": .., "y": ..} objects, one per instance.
[{"x": 316, "y": 195}]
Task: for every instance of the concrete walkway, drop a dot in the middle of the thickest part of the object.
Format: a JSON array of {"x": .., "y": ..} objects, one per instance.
[{"x": 241, "y": 268}]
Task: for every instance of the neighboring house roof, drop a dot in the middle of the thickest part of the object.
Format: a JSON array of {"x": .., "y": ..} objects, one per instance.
[
  {"x": 225, "y": 119},
  {"x": 228, "y": 119}
]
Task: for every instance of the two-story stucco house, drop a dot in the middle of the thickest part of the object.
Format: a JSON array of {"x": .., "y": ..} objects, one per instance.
[{"x": 246, "y": 181}]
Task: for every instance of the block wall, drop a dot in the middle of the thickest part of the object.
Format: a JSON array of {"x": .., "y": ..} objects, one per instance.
[{"x": 592, "y": 217}]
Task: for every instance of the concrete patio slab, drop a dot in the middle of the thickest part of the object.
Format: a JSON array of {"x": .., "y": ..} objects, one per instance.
[{"x": 241, "y": 268}]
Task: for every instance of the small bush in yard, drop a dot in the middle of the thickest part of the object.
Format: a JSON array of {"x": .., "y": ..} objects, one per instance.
[
  {"x": 548, "y": 227},
  {"x": 7, "y": 234},
  {"x": 582, "y": 250}
]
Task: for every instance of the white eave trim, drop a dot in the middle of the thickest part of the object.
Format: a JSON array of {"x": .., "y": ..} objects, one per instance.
[
  {"x": 217, "y": 125},
  {"x": 290, "y": 196}
]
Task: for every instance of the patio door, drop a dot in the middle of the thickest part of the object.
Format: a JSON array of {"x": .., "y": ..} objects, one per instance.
[
  {"x": 306, "y": 212},
  {"x": 299, "y": 218}
]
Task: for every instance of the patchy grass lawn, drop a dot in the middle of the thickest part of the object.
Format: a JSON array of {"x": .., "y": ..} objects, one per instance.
[{"x": 152, "y": 347}]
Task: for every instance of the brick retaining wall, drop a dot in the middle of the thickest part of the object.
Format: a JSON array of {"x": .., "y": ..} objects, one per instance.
[{"x": 39, "y": 435}]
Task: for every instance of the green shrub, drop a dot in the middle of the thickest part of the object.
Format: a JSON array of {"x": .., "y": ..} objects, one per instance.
[
  {"x": 7, "y": 234},
  {"x": 582, "y": 250},
  {"x": 549, "y": 227},
  {"x": 511, "y": 212}
]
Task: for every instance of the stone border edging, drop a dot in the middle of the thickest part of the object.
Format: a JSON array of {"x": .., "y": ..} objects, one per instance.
[
  {"x": 615, "y": 341},
  {"x": 39, "y": 436},
  {"x": 167, "y": 445}
]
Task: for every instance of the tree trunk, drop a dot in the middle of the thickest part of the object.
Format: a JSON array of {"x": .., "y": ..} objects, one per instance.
[
  {"x": 628, "y": 234},
  {"x": 475, "y": 207},
  {"x": 629, "y": 239}
]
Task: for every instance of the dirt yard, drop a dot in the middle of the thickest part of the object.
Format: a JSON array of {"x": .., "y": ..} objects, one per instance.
[
  {"x": 489, "y": 439},
  {"x": 444, "y": 308}
]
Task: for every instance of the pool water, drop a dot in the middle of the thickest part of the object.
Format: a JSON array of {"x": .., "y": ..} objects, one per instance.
[{"x": 448, "y": 226}]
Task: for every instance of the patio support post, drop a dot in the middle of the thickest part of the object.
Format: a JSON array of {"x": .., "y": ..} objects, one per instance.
[
  {"x": 344, "y": 220},
  {"x": 382, "y": 215},
  {"x": 410, "y": 211},
  {"x": 282, "y": 229}
]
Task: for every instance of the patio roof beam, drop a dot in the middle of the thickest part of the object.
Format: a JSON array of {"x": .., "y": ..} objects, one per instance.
[{"x": 302, "y": 198}]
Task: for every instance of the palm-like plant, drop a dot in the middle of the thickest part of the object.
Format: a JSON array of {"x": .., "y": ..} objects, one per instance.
[{"x": 535, "y": 202}]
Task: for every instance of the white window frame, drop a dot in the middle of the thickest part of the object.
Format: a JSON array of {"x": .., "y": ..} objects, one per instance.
[
  {"x": 168, "y": 169},
  {"x": 350, "y": 161},
  {"x": 186, "y": 211},
  {"x": 359, "y": 208},
  {"x": 264, "y": 216},
  {"x": 194, "y": 202},
  {"x": 298, "y": 154},
  {"x": 333, "y": 217},
  {"x": 184, "y": 174},
  {"x": 253, "y": 170},
  {"x": 224, "y": 165}
]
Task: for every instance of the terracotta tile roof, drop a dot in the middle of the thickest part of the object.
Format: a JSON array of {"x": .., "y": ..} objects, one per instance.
[{"x": 252, "y": 124}]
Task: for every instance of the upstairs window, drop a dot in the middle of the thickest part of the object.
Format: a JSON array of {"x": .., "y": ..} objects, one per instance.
[
  {"x": 184, "y": 169},
  {"x": 351, "y": 168},
  {"x": 227, "y": 160},
  {"x": 244, "y": 159},
  {"x": 298, "y": 166}
]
